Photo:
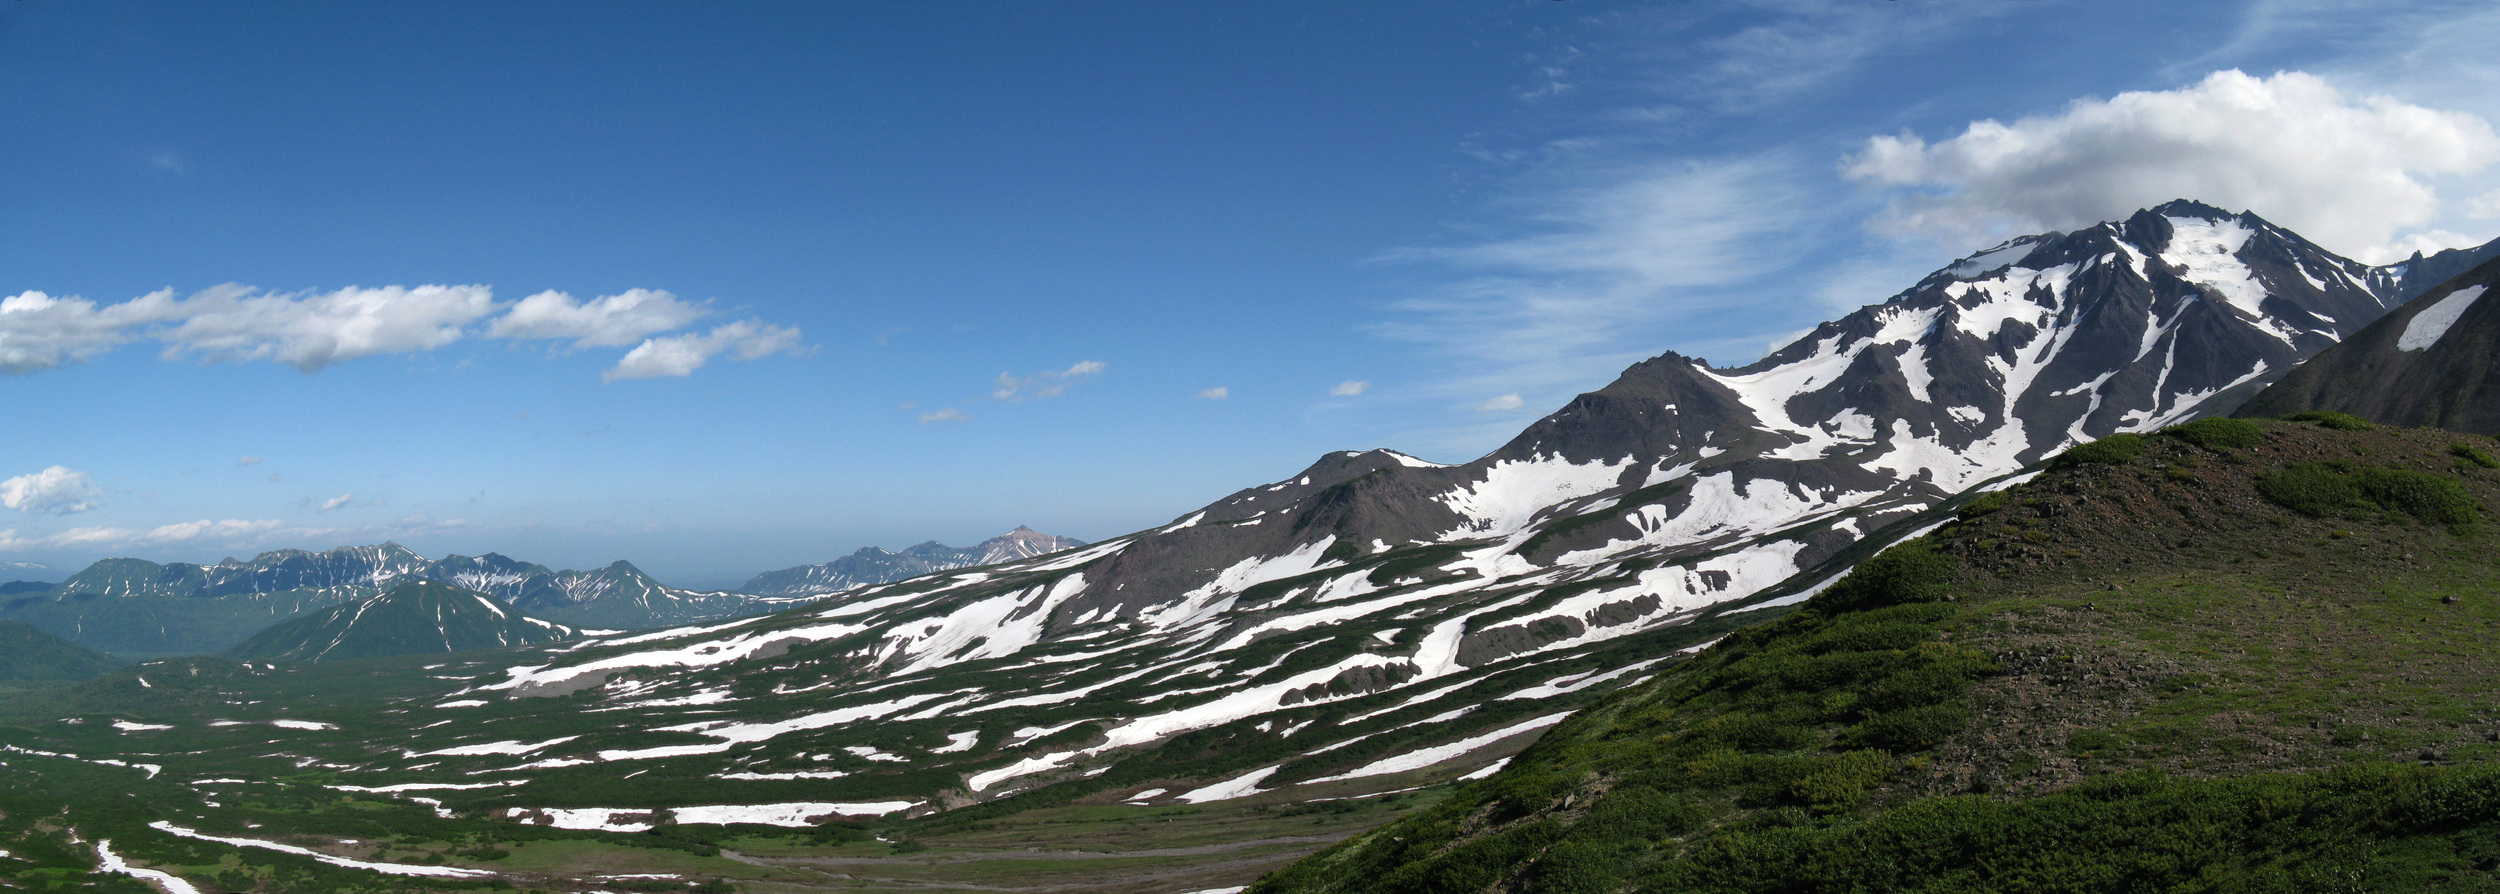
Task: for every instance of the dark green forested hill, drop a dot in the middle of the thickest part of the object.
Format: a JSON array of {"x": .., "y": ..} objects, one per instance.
[
  {"x": 2239, "y": 656},
  {"x": 33, "y": 655},
  {"x": 411, "y": 618}
]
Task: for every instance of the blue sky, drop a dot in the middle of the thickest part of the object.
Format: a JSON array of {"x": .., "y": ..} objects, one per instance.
[{"x": 833, "y": 275}]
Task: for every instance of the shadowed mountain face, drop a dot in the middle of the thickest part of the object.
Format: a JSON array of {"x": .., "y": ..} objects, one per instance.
[
  {"x": 1379, "y": 618},
  {"x": 27, "y": 653},
  {"x": 137, "y": 606},
  {"x": 872, "y": 565},
  {"x": 411, "y": 618},
  {"x": 2435, "y": 362}
]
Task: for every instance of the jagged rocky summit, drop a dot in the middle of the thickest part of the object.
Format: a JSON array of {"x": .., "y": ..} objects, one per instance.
[
  {"x": 873, "y": 565},
  {"x": 2433, "y": 363},
  {"x": 1379, "y": 619}
]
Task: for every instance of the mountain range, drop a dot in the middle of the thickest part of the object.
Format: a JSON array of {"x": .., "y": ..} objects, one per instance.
[
  {"x": 1378, "y": 624},
  {"x": 872, "y": 565},
  {"x": 413, "y": 617},
  {"x": 137, "y": 607},
  {"x": 1378, "y": 615}
]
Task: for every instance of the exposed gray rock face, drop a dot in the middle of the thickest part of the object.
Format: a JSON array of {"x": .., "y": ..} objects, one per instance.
[{"x": 2434, "y": 362}]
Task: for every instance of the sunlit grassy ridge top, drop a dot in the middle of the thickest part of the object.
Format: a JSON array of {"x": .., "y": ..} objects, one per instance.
[{"x": 2155, "y": 667}]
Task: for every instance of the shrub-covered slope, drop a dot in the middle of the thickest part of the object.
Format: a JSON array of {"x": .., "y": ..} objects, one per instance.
[
  {"x": 27, "y": 653},
  {"x": 413, "y": 618},
  {"x": 2240, "y": 656}
]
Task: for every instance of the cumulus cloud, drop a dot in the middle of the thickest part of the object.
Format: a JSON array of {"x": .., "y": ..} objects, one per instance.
[
  {"x": 607, "y": 321},
  {"x": 950, "y": 414},
  {"x": 1504, "y": 402},
  {"x": 679, "y": 355},
  {"x": 1218, "y": 392},
  {"x": 314, "y": 330},
  {"x": 1350, "y": 388},
  {"x": 1047, "y": 383},
  {"x": 58, "y": 490},
  {"x": 39, "y": 332},
  {"x": 2343, "y": 170}
]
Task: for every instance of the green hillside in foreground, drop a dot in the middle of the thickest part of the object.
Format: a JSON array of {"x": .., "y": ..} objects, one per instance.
[
  {"x": 2240, "y": 656},
  {"x": 29, "y": 654},
  {"x": 412, "y": 618}
]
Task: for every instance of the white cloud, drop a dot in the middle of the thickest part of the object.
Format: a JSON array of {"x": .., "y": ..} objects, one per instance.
[
  {"x": 1504, "y": 402},
  {"x": 679, "y": 355},
  {"x": 58, "y": 490},
  {"x": 313, "y": 330},
  {"x": 336, "y": 502},
  {"x": 1350, "y": 388},
  {"x": 229, "y": 529},
  {"x": 608, "y": 321},
  {"x": 247, "y": 461},
  {"x": 950, "y": 414},
  {"x": 1218, "y": 392},
  {"x": 1047, "y": 383},
  {"x": 2341, "y": 170},
  {"x": 39, "y": 332},
  {"x": 316, "y": 329}
]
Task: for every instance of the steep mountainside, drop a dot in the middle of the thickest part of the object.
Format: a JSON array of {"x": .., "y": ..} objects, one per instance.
[
  {"x": 1380, "y": 621},
  {"x": 32, "y": 655},
  {"x": 871, "y": 565},
  {"x": 2251, "y": 656},
  {"x": 2433, "y": 362},
  {"x": 136, "y": 606},
  {"x": 411, "y": 618}
]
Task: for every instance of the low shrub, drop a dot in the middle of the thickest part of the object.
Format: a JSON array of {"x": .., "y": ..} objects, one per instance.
[
  {"x": 1985, "y": 504},
  {"x": 2333, "y": 420},
  {"x": 2219, "y": 433},
  {"x": 2473, "y": 457},
  {"x": 2340, "y": 489},
  {"x": 2110, "y": 451}
]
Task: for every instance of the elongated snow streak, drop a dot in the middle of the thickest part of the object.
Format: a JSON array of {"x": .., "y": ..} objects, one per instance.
[
  {"x": 1241, "y": 786},
  {"x": 1425, "y": 757},
  {"x": 385, "y": 868},
  {"x": 793, "y": 815},
  {"x": 113, "y": 863}
]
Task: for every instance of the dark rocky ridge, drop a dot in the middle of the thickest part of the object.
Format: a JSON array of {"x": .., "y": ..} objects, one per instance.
[{"x": 2451, "y": 383}]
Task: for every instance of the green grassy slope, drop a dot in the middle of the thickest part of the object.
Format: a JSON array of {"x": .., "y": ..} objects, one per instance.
[
  {"x": 27, "y": 653},
  {"x": 2257, "y": 657}
]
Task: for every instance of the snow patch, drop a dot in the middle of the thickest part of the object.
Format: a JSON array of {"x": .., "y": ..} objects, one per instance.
[{"x": 2429, "y": 326}]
